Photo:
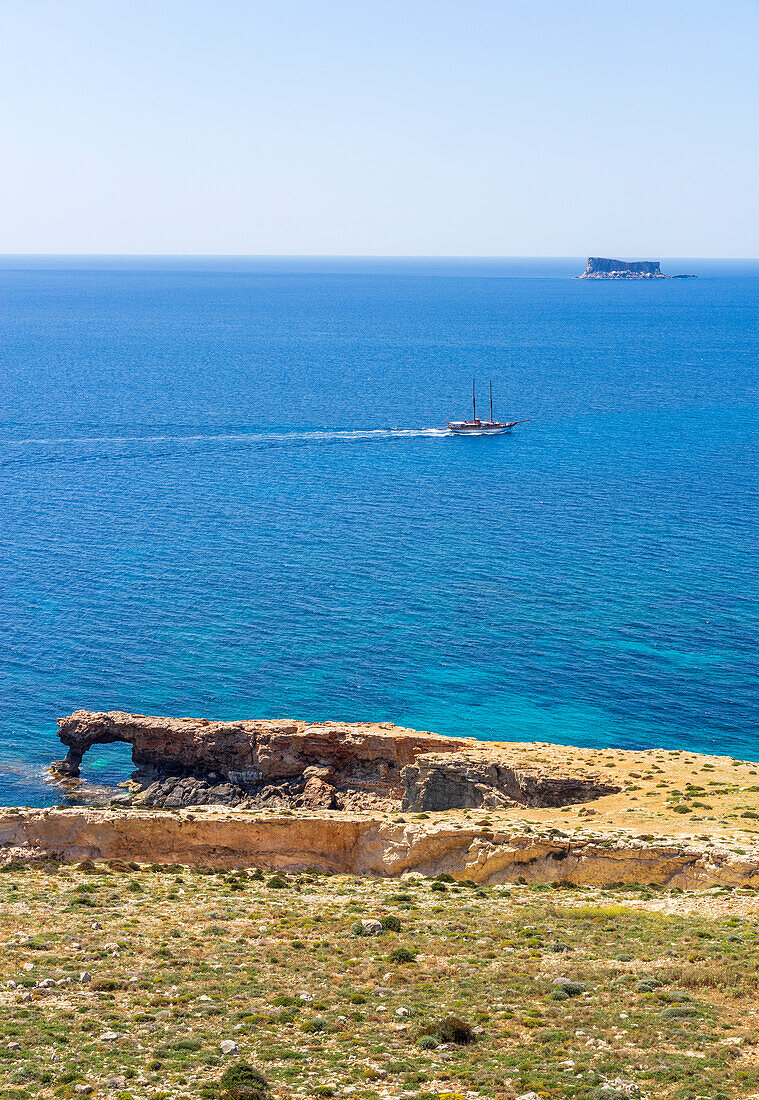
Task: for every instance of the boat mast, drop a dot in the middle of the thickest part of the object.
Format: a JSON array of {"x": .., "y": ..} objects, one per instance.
[
  {"x": 491, "y": 401},
  {"x": 474, "y": 403}
]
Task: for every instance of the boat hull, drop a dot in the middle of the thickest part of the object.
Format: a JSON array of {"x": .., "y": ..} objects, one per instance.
[{"x": 498, "y": 429}]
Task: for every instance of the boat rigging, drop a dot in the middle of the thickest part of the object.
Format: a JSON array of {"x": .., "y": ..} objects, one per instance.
[{"x": 475, "y": 426}]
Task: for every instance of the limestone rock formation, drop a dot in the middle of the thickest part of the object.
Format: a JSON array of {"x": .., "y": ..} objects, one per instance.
[
  {"x": 284, "y": 764},
  {"x": 190, "y": 761},
  {"x": 353, "y": 844},
  {"x": 469, "y": 780},
  {"x": 599, "y": 268}
]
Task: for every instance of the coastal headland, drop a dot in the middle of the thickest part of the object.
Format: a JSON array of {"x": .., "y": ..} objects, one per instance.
[
  {"x": 379, "y": 800},
  {"x": 329, "y": 909}
]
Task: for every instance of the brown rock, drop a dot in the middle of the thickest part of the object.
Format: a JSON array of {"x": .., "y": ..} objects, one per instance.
[
  {"x": 254, "y": 752},
  {"x": 318, "y": 795}
]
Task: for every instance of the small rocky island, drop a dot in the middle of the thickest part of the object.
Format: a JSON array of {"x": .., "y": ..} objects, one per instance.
[{"x": 599, "y": 268}]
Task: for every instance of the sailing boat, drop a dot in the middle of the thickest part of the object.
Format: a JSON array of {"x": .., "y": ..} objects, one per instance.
[{"x": 482, "y": 427}]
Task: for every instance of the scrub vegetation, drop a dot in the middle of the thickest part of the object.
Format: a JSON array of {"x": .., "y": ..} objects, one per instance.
[{"x": 160, "y": 983}]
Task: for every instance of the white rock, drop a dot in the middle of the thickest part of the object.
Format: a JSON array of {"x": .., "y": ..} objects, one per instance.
[
  {"x": 110, "y": 1036},
  {"x": 116, "y": 1083},
  {"x": 401, "y": 1012},
  {"x": 14, "y": 1046},
  {"x": 228, "y": 1046},
  {"x": 83, "y": 1090},
  {"x": 528, "y": 1096},
  {"x": 46, "y": 983},
  {"x": 372, "y": 927},
  {"x": 28, "y": 967}
]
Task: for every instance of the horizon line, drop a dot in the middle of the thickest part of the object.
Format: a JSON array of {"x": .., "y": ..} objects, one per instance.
[{"x": 350, "y": 256}]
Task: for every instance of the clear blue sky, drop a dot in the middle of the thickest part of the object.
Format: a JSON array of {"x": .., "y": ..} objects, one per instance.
[{"x": 396, "y": 127}]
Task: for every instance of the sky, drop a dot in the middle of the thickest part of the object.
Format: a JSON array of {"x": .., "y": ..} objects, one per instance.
[{"x": 380, "y": 127}]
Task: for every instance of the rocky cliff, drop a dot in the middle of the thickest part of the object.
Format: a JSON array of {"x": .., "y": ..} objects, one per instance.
[
  {"x": 599, "y": 268},
  {"x": 362, "y": 845},
  {"x": 278, "y": 764}
]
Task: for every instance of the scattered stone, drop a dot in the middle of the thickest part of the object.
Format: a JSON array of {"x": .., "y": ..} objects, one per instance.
[
  {"x": 228, "y": 1046},
  {"x": 14, "y": 1046},
  {"x": 116, "y": 1083},
  {"x": 371, "y": 927},
  {"x": 85, "y": 976},
  {"x": 528, "y": 1096},
  {"x": 83, "y": 1090},
  {"x": 110, "y": 1036}
]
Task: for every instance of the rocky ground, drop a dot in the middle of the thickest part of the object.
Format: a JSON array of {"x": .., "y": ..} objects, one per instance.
[{"x": 157, "y": 983}]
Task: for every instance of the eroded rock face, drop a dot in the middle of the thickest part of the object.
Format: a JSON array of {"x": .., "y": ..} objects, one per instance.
[
  {"x": 283, "y": 764},
  {"x": 190, "y": 761},
  {"x": 362, "y": 845},
  {"x": 474, "y": 780}
]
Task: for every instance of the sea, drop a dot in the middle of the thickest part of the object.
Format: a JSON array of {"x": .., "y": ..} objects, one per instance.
[{"x": 226, "y": 491}]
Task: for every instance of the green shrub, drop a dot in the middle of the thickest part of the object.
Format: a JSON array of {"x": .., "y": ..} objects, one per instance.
[
  {"x": 391, "y": 923},
  {"x": 311, "y": 1027},
  {"x": 428, "y": 1042},
  {"x": 242, "y": 1082},
  {"x": 573, "y": 989},
  {"x": 403, "y": 955}
]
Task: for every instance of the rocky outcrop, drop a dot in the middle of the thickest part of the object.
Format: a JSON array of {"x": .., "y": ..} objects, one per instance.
[
  {"x": 283, "y": 764},
  {"x": 191, "y": 761},
  {"x": 599, "y": 268},
  {"x": 480, "y": 780},
  {"x": 365, "y": 845}
]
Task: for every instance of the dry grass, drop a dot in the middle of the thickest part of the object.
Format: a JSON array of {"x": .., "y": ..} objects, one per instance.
[{"x": 181, "y": 960}]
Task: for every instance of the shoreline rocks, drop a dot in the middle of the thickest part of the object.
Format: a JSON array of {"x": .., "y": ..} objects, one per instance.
[{"x": 282, "y": 764}]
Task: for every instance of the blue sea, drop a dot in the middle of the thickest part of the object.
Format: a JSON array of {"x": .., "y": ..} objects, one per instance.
[{"x": 224, "y": 492}]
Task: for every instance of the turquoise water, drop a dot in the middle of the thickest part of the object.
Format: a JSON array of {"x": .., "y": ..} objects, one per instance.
[{"x": 224, "y": 492}]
